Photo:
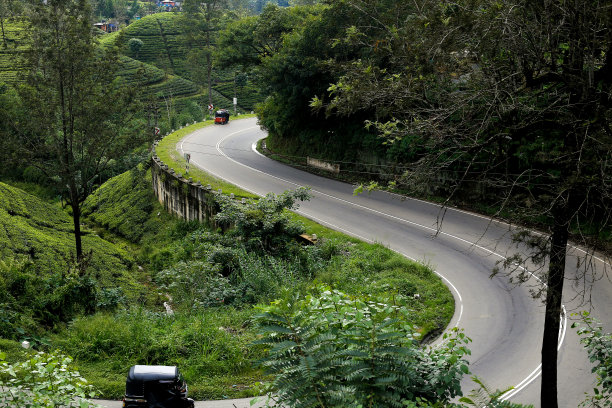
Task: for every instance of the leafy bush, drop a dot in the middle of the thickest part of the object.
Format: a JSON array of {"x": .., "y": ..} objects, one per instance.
[
  {"x": 263, "y": 224},
  {"x": 232, "y": 276},
  {"x": 195, "y": 284},
  {"x": 135, "y": 45},
  {"x": 599, "y": 347},
  {"x": 336, "y": 351},
  {"x": 44, "y": 381}
]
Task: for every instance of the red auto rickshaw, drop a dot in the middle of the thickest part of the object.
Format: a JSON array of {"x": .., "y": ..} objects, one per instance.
[{"x": 222, "y": 116}]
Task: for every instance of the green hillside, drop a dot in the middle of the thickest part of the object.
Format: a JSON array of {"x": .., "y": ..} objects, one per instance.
[
  {"x": 34, "y": 231},
  {"x": 164, "y": 47},
  {"x": 160, "y": 67},
  {"x": 155, "y": 81},
  {"x": 11, "y": 50},
  {"x": 162, "y": 42}
]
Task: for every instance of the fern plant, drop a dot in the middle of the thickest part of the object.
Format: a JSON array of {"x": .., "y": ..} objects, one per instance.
[
  {"x": 332, "y": 350},
  {"x": 485, "y": 397}
]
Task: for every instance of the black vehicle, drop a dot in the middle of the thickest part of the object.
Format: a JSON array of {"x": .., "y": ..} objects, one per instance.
[{"x": 156, "y": 387}]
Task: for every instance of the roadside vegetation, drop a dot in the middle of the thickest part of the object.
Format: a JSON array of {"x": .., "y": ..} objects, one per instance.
[{"x": 215, "y": 283}]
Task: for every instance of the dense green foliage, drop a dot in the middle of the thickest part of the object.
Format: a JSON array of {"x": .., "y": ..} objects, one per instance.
[
  {"x": 293, "y": 56},
  {"x": 263, "y": 224},
  {"x": 212, "y": 348},
  {"x": 43, "y": 381},
  {"x": 124, "y": 205},
  {"x": 39, "y": 286},
  {"x": 333, "y": 350},
  {"x": 214, "y": 279},
  {"x": 599, "y": 347}
]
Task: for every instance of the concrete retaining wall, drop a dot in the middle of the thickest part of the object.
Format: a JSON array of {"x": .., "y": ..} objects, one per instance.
[
  {"x": 181, "y": 196},
  {"x": 323, "y": 165}
]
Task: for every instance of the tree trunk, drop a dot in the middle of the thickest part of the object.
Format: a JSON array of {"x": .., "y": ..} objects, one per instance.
[
  {"x": 76, "y": 219},
  {"x": 552, "y": 319},
  {"x": 3, "y": 34},
  {"x": 208, "y": 56}
]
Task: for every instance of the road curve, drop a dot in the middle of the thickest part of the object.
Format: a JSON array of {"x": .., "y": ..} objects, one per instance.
[{"x": 504, "y": 322}]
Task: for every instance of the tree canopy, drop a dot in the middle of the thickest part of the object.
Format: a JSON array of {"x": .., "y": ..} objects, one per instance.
[
  {"x": 510, "y": 99},
  {"x": 78, "y": 129}
]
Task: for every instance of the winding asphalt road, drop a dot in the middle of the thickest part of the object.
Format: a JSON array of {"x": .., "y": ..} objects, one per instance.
[{"x": 504, "y": 322}]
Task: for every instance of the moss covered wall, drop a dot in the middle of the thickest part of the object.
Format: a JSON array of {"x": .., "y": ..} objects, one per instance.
[{"x": 186, "y": 199}]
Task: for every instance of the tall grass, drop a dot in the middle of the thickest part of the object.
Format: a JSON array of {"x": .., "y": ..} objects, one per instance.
[{"x": 210, "y": 347}]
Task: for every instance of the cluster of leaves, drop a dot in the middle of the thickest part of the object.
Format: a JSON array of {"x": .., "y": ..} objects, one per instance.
[
  {"x": 263, "y": 223},
  {"x": 333, "y": 350},
  {"x": 287, "y": 52},
  {"x": 599, "y": 347},
  {"x": 251, "y": 263},
  {"x": 43, "y": 381},
  {"x": 235, "y": 276}
]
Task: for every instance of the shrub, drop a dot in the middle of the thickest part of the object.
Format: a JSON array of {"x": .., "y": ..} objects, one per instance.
[
  {"x": 135, "y": 45},
  {"x": 599, "y": 347},
  {"x": 109, "y": 299},
  {"x": 233, "y": 276},
  {"x": 45, "y": 380},
  {"x": 338, "y": 351},
  {"x": 263, "y": 224},
  {"x": 194, "y": 284}
]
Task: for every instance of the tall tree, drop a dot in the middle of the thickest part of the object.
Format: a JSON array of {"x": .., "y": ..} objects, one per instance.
[
  {"x": 202, "y": 20},
  {"x": 248, "y": 41},
  {"x": 8, "y": 9},
  {"x": 514, "y": 98},
  {"x": 76, "y": 110}
]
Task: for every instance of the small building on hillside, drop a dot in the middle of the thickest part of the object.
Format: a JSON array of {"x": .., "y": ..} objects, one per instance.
[
  {"x": 170, "y": 5},
  {"x": 107, "y": 26}
]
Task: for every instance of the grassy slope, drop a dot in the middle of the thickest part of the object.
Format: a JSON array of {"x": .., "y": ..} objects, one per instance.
[
  {"x": 160, "y": 67},
  {"x": 165, "y": 48},
  {"x": 9, "y": 55},
  {"x": 42, "y": 233}
]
